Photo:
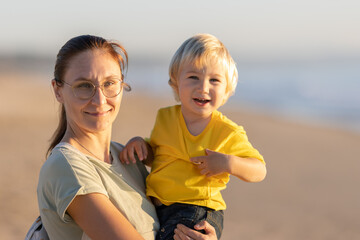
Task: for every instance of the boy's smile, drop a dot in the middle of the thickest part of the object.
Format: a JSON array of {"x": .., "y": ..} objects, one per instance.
[
  {"x": 201, "y": 102},
  {"x": 201, "y": 91}
]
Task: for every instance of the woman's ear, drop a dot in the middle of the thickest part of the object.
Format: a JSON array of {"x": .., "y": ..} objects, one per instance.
[{"x": 57, "y": 91}]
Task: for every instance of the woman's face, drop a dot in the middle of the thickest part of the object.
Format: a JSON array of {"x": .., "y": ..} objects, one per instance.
[{"x": 99, "y": 112}]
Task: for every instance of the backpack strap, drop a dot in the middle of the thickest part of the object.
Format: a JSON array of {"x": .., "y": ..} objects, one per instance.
[{"x": 37, "y": 231}]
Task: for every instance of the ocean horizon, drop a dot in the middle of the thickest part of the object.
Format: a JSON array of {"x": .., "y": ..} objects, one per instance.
[{"x": 322, "y": 92}]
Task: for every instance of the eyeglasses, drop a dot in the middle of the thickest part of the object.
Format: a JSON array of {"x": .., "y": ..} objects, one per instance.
[{"x": 86, "y": 89}]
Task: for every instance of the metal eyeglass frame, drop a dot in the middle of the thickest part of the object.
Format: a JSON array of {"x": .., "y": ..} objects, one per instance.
[{"x": 124, "y": 85}]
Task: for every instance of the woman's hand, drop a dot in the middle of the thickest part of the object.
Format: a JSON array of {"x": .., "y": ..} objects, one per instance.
[
  {"x": 138, "y": 146},
  {"x": 184, "y": 233}
]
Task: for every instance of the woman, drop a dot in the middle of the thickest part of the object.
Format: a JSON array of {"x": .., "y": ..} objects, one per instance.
[{"x": 83, "y": 190}]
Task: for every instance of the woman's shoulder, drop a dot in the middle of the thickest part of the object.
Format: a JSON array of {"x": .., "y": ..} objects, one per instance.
[
  {"x": 63, "y": 157},
  {"x": 64, "y": 152},
  {"x": 67, "y": 168}
]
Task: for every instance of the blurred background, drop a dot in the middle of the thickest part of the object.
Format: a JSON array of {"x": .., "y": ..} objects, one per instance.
[
  {"x": 295, "y": 58},
  {"x": 298, "y": 63}
]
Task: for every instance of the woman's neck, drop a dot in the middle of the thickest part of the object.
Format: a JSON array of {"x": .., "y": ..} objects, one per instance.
[{"x": 94, "y": 144}]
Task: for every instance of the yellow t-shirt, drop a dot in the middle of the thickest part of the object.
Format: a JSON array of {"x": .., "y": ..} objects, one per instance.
[{"x": 174, "y": 178}]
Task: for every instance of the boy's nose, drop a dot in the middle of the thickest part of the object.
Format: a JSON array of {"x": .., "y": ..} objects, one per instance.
[{"x": 203, "y": 86}]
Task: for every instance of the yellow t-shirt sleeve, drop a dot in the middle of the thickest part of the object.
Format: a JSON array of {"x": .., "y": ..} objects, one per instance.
[{"x": 239, "y": 145}]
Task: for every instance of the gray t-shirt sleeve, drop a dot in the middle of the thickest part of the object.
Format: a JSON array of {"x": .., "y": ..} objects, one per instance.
[{"x": 65, "y": 175}]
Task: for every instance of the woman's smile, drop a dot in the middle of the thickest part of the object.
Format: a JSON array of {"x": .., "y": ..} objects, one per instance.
[{"x": 98, "y": 113}]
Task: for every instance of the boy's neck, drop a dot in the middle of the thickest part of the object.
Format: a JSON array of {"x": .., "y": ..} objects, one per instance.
[{"x": 196, "y": 125}]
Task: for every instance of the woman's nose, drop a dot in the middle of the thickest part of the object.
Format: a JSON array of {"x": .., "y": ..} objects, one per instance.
[{"x": 99, "y": 98}]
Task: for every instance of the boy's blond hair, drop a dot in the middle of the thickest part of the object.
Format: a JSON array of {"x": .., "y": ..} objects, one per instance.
[{"x": 200, "y": 50}]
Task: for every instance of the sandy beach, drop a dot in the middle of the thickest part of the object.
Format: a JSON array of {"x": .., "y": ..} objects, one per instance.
[{"x": 309, "y": 192}]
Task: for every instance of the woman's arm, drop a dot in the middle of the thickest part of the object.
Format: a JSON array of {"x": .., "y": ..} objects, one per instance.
[{"x": 100, "y": 219}]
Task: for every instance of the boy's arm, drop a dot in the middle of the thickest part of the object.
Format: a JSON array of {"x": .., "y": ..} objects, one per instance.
[
  {"x": 247, "y": 169},
  {"x": 150, "y": 155}
]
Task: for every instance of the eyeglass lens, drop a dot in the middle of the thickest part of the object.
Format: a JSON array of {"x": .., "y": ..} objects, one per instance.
[{"x": 86, "y": 89}]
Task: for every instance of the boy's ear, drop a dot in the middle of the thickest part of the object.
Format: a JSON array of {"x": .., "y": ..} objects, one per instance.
[{"x": 57, "y": 91}]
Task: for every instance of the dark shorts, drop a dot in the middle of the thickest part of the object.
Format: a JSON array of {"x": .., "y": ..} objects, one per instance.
[{"x": 188, "y": 215}]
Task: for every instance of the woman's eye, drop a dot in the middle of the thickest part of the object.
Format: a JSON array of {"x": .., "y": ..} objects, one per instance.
[
  {"x": 109, "y": 83},
  {"x": 84, "y": 85}
]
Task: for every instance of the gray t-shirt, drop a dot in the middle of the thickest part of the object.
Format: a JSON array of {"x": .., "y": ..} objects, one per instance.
[{"x": 68, "y": 173}]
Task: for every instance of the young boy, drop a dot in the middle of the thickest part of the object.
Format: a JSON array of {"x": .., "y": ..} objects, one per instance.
[{"x": 195, "y": 147}]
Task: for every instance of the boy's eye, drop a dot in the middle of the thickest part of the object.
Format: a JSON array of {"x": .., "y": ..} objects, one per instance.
[
  {"x": 193, "y": 77},
  {"x": 214, "y": 80}
]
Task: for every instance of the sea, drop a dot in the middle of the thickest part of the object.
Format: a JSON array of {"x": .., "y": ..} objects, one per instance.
[{"x": 323, "y": 92}]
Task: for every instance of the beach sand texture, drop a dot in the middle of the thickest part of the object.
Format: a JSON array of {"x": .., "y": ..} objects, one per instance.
[{"x": 309, "y": 192}]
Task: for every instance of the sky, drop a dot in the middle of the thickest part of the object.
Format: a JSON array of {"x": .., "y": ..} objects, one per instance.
[{"x": 250, "y": 29}]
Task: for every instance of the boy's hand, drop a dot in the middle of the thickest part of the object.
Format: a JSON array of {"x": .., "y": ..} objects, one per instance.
[
  {"x": 137, "y": 146},
  {"x": 212, "y": 164}
]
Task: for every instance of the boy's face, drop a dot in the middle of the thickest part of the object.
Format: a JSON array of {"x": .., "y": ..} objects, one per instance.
[{"x": 201, "y": 91}]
